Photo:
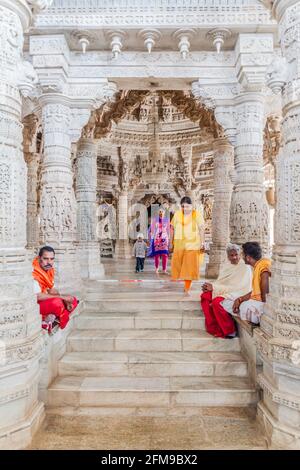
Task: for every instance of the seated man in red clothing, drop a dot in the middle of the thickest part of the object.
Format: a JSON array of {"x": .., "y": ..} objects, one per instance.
[
  {"x": 54, "y": 308},
  {"x": 234, "y": 280}
]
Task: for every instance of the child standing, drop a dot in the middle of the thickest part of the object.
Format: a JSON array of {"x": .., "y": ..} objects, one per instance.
[{"x": 139, "y": 251}]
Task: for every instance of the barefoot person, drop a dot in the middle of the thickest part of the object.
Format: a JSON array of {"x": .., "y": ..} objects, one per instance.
[
  {"x": 234, "y": 280},
  {"x": 54, "y": 308},
  {"x": 159, "y": 237},
  {"x": 187, "y": 241}
]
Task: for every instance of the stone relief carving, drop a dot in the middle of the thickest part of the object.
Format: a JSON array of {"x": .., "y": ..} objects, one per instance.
[
  {"x": 248, "y": 218},
  {"x": 272, "y": 138},
  {"x": 5, "y": 199},
  {"x": 58, "y": 214}
]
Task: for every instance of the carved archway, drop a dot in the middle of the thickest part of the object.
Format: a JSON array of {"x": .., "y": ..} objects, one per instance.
[{"x": 130, "y": 101}]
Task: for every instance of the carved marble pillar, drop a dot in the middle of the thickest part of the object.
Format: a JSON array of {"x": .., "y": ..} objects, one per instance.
[
  {"x": 20, "y": 323},
  {"x": 123, "y": 249},
  {"x": 33, "y": 163},
  {"x": 223, "y": 166},
  {"x": 58, "y": 225},
  {"x": 249, "y": 215},
  {"x": 278, "y": 339},
  {"x": 32, "y": 159},
  {"x": 86, "y": 184}
]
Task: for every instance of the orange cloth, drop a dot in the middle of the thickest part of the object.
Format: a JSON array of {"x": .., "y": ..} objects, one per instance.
[
  {"x": 187, "y": 285},
  {"x": 186, "y": 264},
  {"x": 187, "y": 256},
  {"x": 261, "y": 266},
  {"x": 187, "y": 234},
  {"x": 44, "y": 278}
]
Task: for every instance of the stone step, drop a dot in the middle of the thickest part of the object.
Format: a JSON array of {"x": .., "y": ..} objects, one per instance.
[
  {"x": 98, "y": 304},
  {"x": 140, "y": 320},
  {"x": 149, "y": 392},
  {"x": 152, "y": 364},
  {"x": 148, "y": 340}
]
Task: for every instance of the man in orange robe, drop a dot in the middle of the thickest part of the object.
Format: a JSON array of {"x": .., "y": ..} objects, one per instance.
[
  {"x": 250, "y": 307},
  {"x": 54, "y": 308}
]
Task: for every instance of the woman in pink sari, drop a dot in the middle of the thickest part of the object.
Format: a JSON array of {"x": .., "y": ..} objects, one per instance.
[{"x": 159, "y": 236}]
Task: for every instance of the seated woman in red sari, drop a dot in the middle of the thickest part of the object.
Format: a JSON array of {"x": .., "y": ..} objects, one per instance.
[
  {"x": 54, "y": 308},
  {"x": 234, "y": 280}
]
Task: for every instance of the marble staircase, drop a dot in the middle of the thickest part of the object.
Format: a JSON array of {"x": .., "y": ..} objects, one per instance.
[{"x": 140, "y": 350}]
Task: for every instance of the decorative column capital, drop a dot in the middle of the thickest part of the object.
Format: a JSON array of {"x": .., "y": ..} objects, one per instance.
[
  {"x": 203, "y": 95},
  {"x": 222, "y": 143},
  {"x": 106, "y": 92},
  {"x": 250, "y": 97},
  {"x": 254, "y": 53},
  {"x": 66, "y": 110},
  {"x": 277, "y": 74},
  {"x": 54, "y": 98},
  {"x": 226, "y": 117},
  {"x": 86, "y": 143}
]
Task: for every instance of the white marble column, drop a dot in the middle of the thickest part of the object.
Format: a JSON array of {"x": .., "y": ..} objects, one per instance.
[
  {"x": 122, "y": 246},
  {"x": 58, "y": 224},
  {"x": 20, "y": 323},
  {"x": 278, "y": 339},
  {"x": 249, "y": 219},
  {"x": 86, "y": 184},
  {"x": 33, "y": 162},
  {"x": 123, "y": 249},
  {"x": 32, "y": 159},
  {"x": 223, "y": 166}
]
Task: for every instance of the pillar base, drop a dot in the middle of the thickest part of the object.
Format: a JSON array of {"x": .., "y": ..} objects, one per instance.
[
  {"x": 20, "y": 351},
  {"x": 212, "y": 270},
  {"x": 19, "y": 436},
  {"x": 91, "y": 267},
  {"x": 123, "y": 250},
  {"x": 67, "y": 270},
  {"x": 217, "y": 255},
  {"x": 278, "y": 435}
]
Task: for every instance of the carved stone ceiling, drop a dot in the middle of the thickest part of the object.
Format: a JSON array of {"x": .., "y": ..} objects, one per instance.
[{"x": 137, "y": 104}]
